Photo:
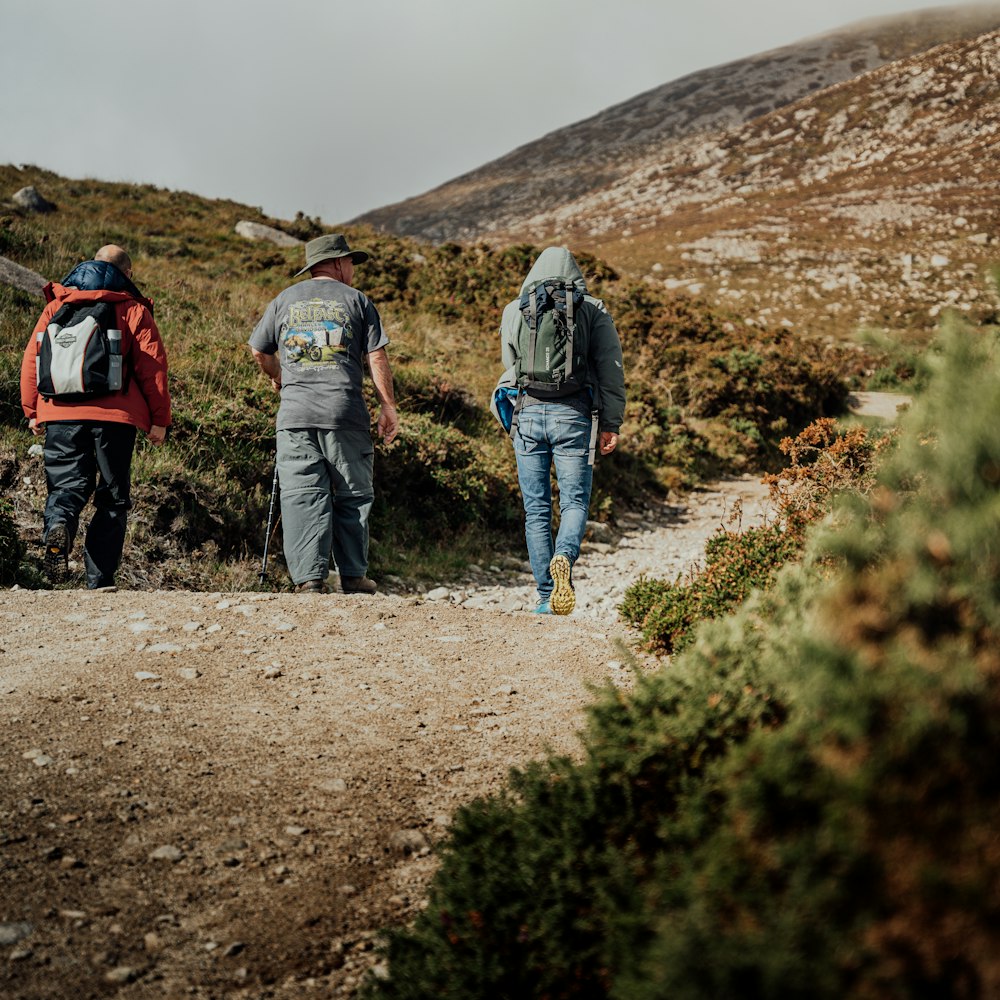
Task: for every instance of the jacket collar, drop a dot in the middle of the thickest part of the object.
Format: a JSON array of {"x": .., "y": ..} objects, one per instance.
[{"x": 96, "y": 276}]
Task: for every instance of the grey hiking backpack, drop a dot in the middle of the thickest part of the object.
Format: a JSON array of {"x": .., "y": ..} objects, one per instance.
[
  {"x": 551, "y": 358},
  {"x": 79, "y": 354}
]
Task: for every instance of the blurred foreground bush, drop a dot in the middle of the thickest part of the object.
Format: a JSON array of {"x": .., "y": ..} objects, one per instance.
[{"x": 803, "y": 804}]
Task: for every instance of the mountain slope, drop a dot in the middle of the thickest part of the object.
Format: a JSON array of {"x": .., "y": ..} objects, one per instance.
[
  {"x": 593, "y": 154},
  {"x": 874, "y": 202}
]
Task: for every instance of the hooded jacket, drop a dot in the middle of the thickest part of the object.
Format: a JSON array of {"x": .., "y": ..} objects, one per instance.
[
  {"x": 605, "y": 373},
  {"x": 145, "y": 401}
]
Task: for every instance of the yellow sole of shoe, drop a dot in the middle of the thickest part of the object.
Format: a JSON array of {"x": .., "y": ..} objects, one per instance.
[{"x": 562, "y": 600}]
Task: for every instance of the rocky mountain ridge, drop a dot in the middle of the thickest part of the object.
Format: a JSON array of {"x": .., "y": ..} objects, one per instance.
[
  {"x": 866, "y": 200},
  {"x": 594, "y": 154}
]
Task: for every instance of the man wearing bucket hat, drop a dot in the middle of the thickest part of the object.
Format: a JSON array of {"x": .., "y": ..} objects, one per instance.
[{"x": 312, "y": 342}]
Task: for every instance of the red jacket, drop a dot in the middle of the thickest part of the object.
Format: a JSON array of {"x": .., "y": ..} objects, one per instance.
[{"x": 146, "y": 400}]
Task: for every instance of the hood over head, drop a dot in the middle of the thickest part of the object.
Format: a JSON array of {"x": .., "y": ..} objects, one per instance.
[{"x": 555, "y": 262}]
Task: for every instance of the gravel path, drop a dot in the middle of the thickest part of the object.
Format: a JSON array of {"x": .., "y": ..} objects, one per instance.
[
  {"x": 665, "y": 540},
  {"x": 229, "y": 795}
]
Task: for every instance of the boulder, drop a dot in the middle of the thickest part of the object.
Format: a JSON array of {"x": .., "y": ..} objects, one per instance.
[
  {"x": 258, "y": 232},
  {"x": 29, "y": 199},
  {"x": 21, "y": 277}
]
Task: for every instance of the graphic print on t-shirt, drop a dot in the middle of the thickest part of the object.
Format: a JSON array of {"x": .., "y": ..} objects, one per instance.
[{"x": 317, "y": 332}]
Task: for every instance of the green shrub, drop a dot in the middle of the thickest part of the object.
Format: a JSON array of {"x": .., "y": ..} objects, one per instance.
[
  {"x": 736, "y": 563},
  {"x": 12, "y": 549},
  {"x": 804, "y": 804},
  {"x": 825, "y": 461}
]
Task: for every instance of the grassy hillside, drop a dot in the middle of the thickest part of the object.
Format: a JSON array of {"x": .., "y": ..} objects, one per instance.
[{"x": 707, "y": 392}]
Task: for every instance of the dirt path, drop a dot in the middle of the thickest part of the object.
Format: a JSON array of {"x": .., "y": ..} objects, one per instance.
[
  {"x": 884, "y": 405},
  {"x": 228, "y": 796}
]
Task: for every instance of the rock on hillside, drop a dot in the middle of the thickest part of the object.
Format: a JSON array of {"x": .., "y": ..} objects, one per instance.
[
  {"x": 21, "y": 277},
  {"x": 268, "y": 234},
  {"x": 595, "y": 154},
  {"x": 31, "y": 200}
]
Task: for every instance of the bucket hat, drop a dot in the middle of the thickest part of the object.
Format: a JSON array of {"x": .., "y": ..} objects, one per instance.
[{"x": 329, "y": 247}]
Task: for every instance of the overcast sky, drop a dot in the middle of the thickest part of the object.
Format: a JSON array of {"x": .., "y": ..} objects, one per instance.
[{"x": 335, "y": 107}]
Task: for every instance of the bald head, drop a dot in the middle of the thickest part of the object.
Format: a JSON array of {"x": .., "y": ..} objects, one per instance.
[{"x": 112, "y": 254}]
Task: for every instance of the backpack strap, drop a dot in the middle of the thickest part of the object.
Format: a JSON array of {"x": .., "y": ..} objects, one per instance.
[
  {"x": 518, "y": 403},
  {"x": 533, "y": 327},
  {"x": 569, "y": 330}
]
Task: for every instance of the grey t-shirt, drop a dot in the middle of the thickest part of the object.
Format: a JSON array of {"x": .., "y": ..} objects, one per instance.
[{"x": 322, "y": 329}]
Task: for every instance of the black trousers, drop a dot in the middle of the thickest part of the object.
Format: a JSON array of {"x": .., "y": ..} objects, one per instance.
[{"x": 85, "y": 459}]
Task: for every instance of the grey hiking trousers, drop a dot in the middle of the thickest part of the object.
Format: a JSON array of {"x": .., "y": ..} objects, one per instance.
[{"x": 327, "y": 492}]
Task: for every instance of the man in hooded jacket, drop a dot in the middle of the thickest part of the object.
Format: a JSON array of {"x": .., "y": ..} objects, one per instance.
[
  {"x": 564, "y": 430},
  {"x": 89, "y": 444}
]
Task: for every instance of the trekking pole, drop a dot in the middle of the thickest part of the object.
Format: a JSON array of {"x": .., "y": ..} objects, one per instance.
[{"x": 270, "y": 523}]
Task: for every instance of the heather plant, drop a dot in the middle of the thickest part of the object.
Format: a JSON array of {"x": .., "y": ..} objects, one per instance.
[
  {"x": 825, "y": 461},
  {"x": 736, "y": 563},
  {"x": 803, "y": 804}
]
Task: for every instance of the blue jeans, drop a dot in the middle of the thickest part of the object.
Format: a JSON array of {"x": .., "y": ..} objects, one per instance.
[{"x": 547, "y": 433}]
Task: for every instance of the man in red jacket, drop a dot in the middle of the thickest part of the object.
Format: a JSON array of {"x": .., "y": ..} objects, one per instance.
[{"x": 89, "y": 443}]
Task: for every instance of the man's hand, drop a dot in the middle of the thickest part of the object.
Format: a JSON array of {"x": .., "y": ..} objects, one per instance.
[
  {"x": 609, "y": 441},
  {"x": 388, "y": 423},
  {"x": 157, "y": 435},
  {"x": 36, "y": 428},
  {"x": 388, "y": 419},
  {"x": 270, "y": 365}
]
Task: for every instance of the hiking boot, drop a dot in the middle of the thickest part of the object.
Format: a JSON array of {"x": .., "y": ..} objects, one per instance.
[
  {"x": 311, "y": 587},
  {"x": 563, "y": 599},
  {"x": 357, "y": 585},
  {"x": 541, "y": 608},
  {"x": 56, "y": 561}
]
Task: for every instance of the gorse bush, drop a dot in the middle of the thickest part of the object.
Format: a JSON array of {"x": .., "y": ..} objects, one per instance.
[
  {"x": 736, "y": 563},
  {"x": 825, "y": 461},
  {"x": 804, "y": 804}
]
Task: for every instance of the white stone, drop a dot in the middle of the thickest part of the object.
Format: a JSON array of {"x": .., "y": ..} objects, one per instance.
[
  {"x": 258, "y": 232},
  {"x": 167, "y": 853}
]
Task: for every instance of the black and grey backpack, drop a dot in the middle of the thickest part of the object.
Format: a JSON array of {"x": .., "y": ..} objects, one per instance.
[{"x": 80, "y": 353}]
